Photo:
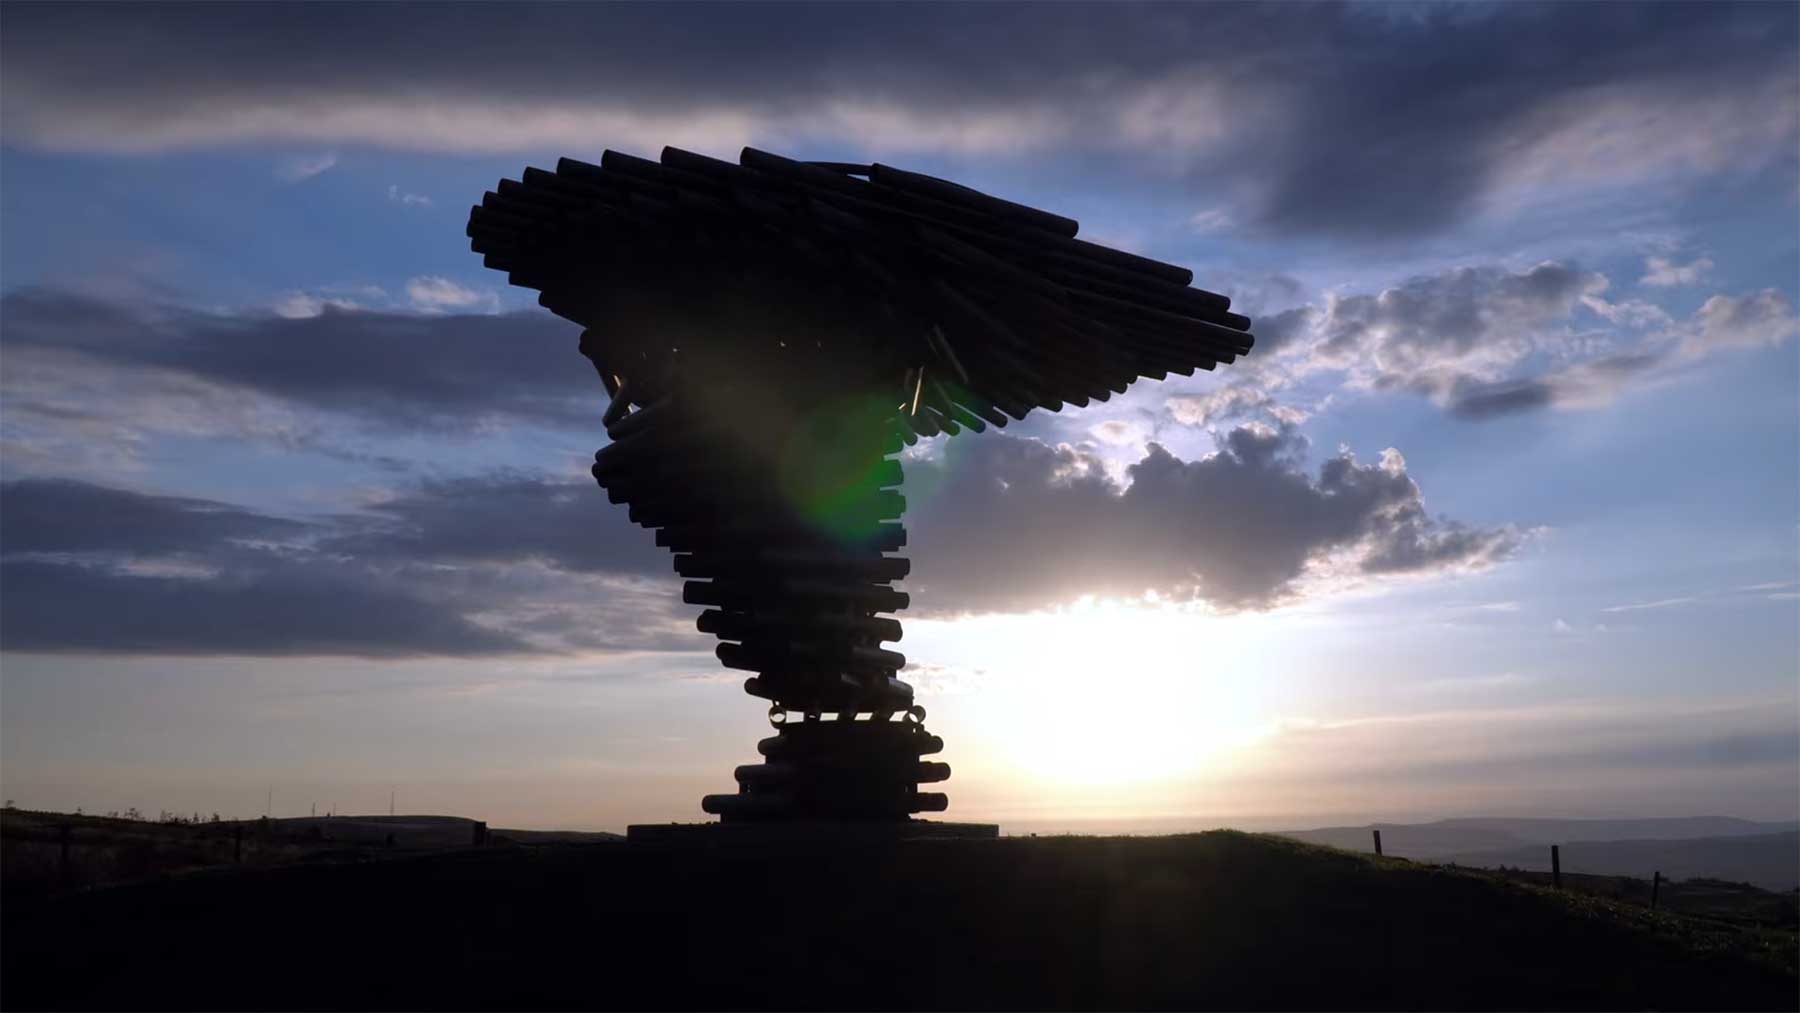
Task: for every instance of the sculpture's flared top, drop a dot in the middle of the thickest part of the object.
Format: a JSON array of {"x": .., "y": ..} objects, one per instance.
[{"x": 958, "y": 306}]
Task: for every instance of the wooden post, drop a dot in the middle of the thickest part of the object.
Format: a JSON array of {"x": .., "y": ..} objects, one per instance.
[
  {"x": 237, "y": 843},
  {"x": 1655, "y": 888},
  {"x": 480, "y": 833},
  {"x": 63, "y": 875},
  {"x": 1556, "y": 866},
  {"x": 1377, "y": 841}
]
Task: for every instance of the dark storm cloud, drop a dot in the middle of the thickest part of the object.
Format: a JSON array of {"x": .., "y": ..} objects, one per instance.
[
  {"x": 90, "y": 569},
  {"x": 1007, "y": 523},
  {"x": 389, "y": 369},
  {"x": 523, "y": 564},
  {"x": 1003, "y": 523},
  {"x": 1590, "y": 382},
  {"x": 1513, "y": 397},
  {"x": 283, "y": 610},
  {"x": 505, "y": 518},
  {"x": 60, "y": 516},
  {"x": 1373, "y": 120},
  {"x": 1278, "y": 331}
]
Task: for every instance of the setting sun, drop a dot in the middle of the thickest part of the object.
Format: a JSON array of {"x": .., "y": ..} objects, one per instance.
[{"x": 1108, "y": 692}]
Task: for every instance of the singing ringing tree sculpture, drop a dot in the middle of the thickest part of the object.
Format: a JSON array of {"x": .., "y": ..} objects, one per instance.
[{"x": 772, "y": 334}]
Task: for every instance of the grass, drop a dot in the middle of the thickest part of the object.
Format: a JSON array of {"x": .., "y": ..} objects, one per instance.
[
  {"x": 1216, "y": 920},
  {"x": 1740, "y": 903}
]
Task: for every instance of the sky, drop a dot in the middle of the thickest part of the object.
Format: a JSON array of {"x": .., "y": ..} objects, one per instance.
[{"x": 1502, "y": 515}]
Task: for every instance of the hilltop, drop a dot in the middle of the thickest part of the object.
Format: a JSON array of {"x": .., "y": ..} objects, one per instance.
[{"x": 1214, "y": 920}]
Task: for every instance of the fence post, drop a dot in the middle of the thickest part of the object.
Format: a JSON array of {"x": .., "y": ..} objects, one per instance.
[
  {"x": 62, "y": 857},
  {"x": 1655, "y": 888},
  {"x": 237, "y": 844},
  {"x": 1556, "y": 866},
  {"x": 480, "y": 833},
  {"x": 1377, "y": 841}
]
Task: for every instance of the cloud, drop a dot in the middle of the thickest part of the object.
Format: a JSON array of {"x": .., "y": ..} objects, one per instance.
[
  {"x": 66, "y": 583},
  {"x": 1007, "y": 524},
  {"x": 305, "y": 167},
  {"x": 482, "y": 567},
  {"x": 1661, "y": 604},
  {"x": 287, "y": 609},
  {"x": 1210, "y": 220},
  {"x": 502, "y": 518},
  {"x": 510, "y": 554},
  {"x": 135, "y": 366},
  {"x": 1244, "y": 400},
  {"x": 1484, "y": 342},
  {"x": 1118, "y": 432},
  {"x": 516, "y": 563},
  {"x": 1581, "y": 385},
  {"x": 407, "y": 198},
  {"x": 1433, "y": 333},
  {"x": 1765, "y": 318},
  {"x": 1662, "y": 272},
  {"x": 1311, "y": 118},
  {"x": 943, "y": 680},
  {"x": 1628, "y": 312},
  {"x": 58, "y": 516},
  {"x": 301, "y": 305},
  {"x": 432, "y": 294},
  {"x": 1276, "y": 333},
  {"x": 1502, "y": 680}
]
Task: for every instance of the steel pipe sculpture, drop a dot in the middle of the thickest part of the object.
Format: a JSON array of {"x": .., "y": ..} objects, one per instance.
[{"x": 772, "y": 333}]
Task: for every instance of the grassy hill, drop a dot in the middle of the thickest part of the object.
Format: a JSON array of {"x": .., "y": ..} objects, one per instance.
[
  {"x": 1448, "y": 837},
  {"x": 1770, "y": 861},
  {"x": 1216, "y": 920},
  {"x": 1766, "y": 855}
]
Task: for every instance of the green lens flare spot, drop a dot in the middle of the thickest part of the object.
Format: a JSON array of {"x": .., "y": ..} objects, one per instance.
[{"x": 834, "y": 469}]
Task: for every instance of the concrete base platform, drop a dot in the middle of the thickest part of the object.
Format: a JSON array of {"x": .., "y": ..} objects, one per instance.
[{"x": 807, "y": 832}]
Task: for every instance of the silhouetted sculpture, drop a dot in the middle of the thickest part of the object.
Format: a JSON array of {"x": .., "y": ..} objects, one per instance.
[{"x": 772, "y": 333}]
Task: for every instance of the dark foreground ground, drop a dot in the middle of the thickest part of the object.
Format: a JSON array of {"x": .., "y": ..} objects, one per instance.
[{"x": 1200, "y": 921}]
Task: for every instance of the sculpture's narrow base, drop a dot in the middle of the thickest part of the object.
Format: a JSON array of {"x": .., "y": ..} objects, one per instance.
[{"x": 807, "y": 832}]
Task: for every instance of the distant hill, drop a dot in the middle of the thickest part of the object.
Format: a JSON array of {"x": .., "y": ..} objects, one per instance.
[
  {"x": 1713, "y": 847},
  {"x": 408, "y": 832},
  {"x": 1204, "y": 921},
  {"x": 102, "y": 850},
  {"x": 416, "y": 832}
]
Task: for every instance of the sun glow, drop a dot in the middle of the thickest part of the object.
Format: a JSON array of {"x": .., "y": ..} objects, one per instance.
[{"x": 1106, "y": 692}]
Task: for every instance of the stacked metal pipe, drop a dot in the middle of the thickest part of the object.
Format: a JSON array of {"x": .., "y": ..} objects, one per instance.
[{"x": 771, "y": 334}]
